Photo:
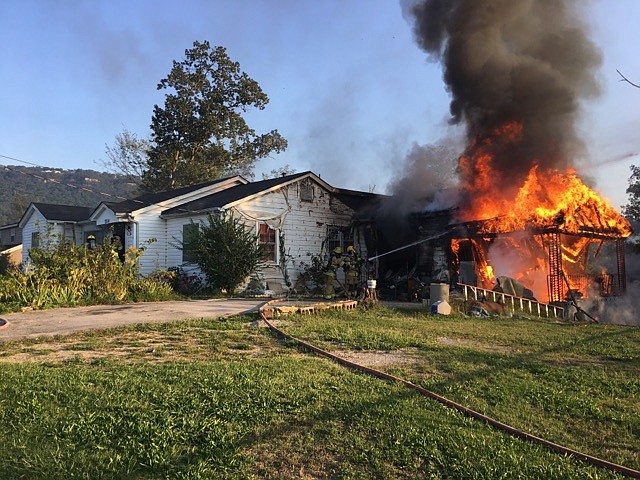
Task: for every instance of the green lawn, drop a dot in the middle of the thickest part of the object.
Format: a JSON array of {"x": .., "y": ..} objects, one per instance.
[{"x": 225, "y": 399}]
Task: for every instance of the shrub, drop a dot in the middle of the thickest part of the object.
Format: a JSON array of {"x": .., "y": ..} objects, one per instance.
[
  {"x": 184, "y": 283},
  {"x": 311, "y": 279},
  {"x": 63, "y": 274},
  {"x": 226, "y": 251}
]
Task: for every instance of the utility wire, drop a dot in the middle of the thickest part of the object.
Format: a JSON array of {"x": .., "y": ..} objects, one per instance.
[
  {"x": 53, "y": 180},
  {"x": 78, "y": 187}
]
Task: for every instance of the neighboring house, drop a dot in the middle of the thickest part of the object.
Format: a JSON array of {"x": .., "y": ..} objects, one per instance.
[
  {"x": 14, "y": 254},
  {"x": 46, "y": 222},
  {"x": 295, "y": 217},
  {"x": 11, "y": 242},
  {"x": 10, "y": 235}
]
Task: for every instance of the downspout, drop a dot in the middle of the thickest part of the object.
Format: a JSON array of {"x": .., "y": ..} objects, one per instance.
[
  {"x": 137, "y": 233},
  {"x": 137, "y": 230}
]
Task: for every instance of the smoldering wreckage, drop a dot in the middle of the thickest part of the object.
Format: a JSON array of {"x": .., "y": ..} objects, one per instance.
[
  {"x": 577, "y": 266},
  {"x": 522, "y": 222}
]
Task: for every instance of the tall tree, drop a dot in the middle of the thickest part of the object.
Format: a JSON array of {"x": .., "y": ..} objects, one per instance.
[
  {"x": 129, "y": 156},
  {"x": 200, "y": 133},
  {"x": 632, "y": 209}
]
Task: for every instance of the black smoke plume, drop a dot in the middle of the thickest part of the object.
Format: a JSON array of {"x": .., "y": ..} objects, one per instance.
[{"x": 525, "y": 61}]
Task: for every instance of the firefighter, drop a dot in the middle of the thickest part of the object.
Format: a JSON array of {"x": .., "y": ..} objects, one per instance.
[
  {"x": 118, "y": 249},
  {"x": 335, "y": 262},
  {"x": 91, "y": 242},
  {"x": 352, "y": 263}
]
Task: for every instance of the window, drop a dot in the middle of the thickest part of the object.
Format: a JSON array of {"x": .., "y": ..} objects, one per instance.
[
  {"x": 338, "y": 237},
  {"x": 189, "y": 236},
  {"x": 306, "y": 191},
  {"x": 267, "y": 238},
  {"x": 35, "y": 240}
]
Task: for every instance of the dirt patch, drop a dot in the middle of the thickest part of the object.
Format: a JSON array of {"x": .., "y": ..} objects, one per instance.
[
  {"x": 378, "y": 358},
  {"x": 463, "y": 342},
  {"x": 128, "y": 347}
]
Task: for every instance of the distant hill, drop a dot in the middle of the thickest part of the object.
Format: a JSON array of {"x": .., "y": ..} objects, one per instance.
[{"x": 19, "y": 186}]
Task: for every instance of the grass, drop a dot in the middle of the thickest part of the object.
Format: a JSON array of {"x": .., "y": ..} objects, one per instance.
[
  {"x": 573, "y": 384},
  {"x": 224, "y": 399}
]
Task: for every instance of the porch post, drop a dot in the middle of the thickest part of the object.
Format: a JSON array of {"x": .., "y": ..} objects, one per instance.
[
  {"x": 622, "y": 270},
  {"x": 556, "y": 286}
]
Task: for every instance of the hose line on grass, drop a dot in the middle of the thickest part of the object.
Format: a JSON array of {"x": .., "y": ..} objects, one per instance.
[{"x": 630, "y": 472}]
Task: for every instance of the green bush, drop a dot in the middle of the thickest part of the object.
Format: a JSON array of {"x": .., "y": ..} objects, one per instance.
[
  {"x": 5, "y": 264},
  {"x": 226, "y": 251},
  {"x": 63, "y": 274}
]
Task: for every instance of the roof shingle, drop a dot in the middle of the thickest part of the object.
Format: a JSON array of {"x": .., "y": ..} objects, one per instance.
[
  {"x": 63, "y": 213},
  {"x": 230, "y": 195}
]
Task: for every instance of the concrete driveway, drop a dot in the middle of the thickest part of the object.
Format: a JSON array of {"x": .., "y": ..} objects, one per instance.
[{"x": 60, "y": 321}]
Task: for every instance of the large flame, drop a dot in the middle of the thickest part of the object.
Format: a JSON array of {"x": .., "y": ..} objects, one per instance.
[
  {"x": 541, "y": 201},
  {"x": 546, "y": 199}
]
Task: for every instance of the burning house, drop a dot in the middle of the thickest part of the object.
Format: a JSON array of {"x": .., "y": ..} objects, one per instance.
[
  {"x": 563, "y": 241},
  {"x": 517, "y": 73}
]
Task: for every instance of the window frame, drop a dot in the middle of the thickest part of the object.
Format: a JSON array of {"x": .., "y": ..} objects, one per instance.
[
  {"x": 273, "y": 250},
  {"x": 188, "y": 254},
  {"x": 35, "y": 239},
  {"x": 338, "y": 236}
]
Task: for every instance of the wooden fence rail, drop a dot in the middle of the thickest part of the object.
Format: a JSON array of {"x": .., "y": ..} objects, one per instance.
[{"x": 520, "y": 303}]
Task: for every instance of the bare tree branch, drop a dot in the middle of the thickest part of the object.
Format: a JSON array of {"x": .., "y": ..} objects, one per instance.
[{"x": 625, "y": 79}]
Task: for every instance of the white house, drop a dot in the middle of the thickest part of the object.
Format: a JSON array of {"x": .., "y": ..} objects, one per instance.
[
  {"x": 44, "y": 222},
  {"x": 138, "y": 223},
  {"x": 295, "y": 217}
]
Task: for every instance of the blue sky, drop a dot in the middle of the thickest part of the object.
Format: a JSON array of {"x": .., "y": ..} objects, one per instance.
[{"x": 348, "y": 87}]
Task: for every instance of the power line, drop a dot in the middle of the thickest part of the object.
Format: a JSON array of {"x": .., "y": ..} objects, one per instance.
[
  {"x": 22, "y": 161},
  {"x": 78, "y": 187},
  {"x": 53, "y": 180}
]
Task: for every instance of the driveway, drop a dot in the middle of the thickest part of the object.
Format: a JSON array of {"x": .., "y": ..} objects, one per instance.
[{"x": 60, "y": 321}]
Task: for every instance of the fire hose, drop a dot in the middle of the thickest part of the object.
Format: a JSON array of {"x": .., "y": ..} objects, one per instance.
[{"x": 630, "y": 472}]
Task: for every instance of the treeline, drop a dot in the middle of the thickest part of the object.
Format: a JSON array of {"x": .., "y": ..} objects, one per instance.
[{"x": 19, "y": 186}]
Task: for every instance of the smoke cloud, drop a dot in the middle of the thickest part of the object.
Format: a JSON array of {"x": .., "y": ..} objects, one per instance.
[
  {"x": 525, "y": 61},
  {"x": 622, "y": 310},
  {"x": 427, "y": 179}
]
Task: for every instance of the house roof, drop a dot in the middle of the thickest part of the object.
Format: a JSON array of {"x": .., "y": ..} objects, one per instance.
[
  {"x": 8, "y": 226},
  {"x": 128, "y": 206},
  {"x": 223, "y": 198},
  {"x": 63, "y": 213},
  {"x": 236, "y": 193},
  {"x": 358, "y": 201}
]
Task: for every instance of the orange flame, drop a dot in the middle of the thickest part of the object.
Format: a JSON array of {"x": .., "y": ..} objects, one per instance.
[{"x": 546, "y": 199}]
